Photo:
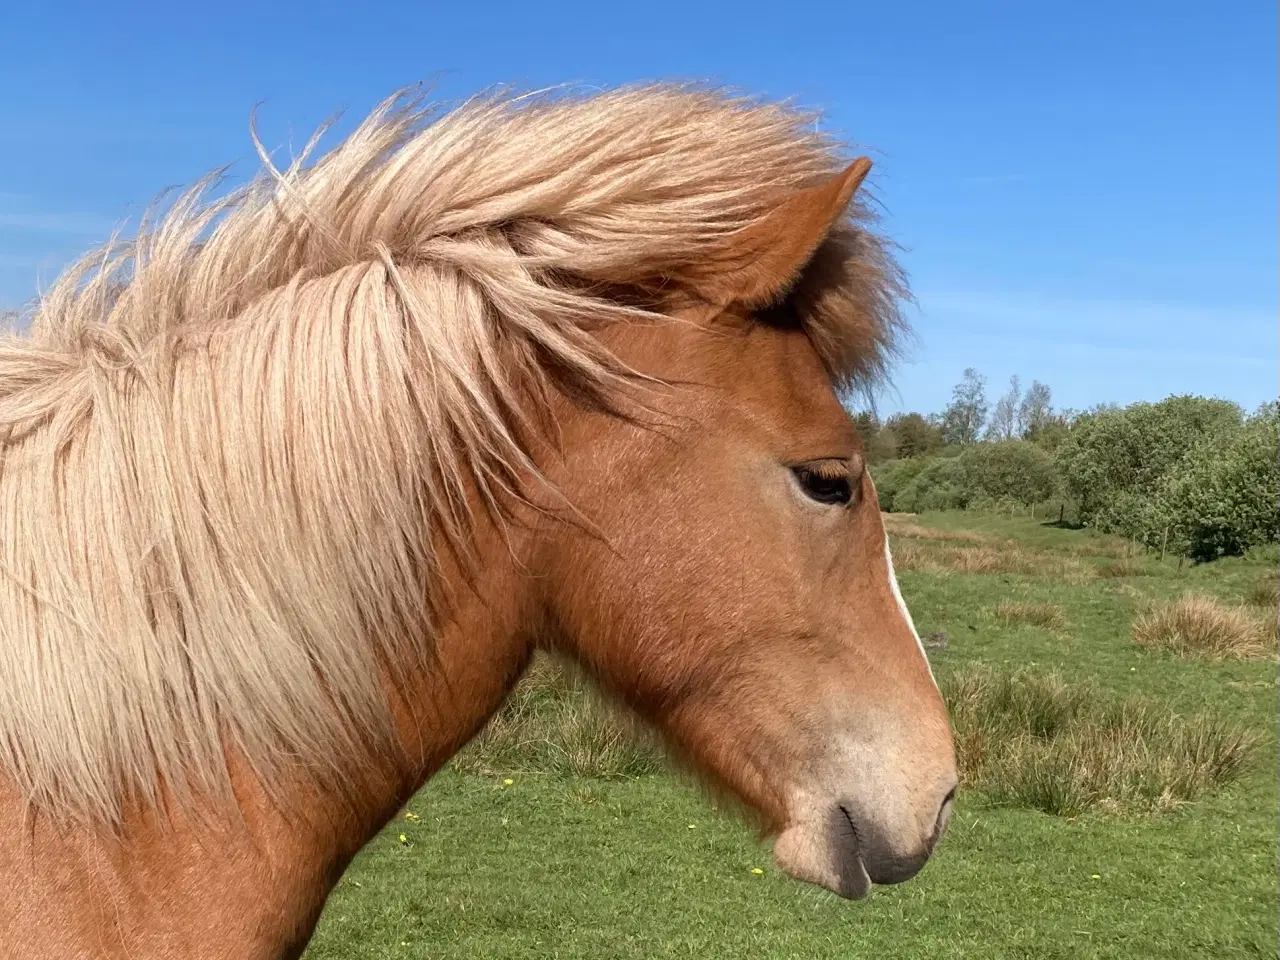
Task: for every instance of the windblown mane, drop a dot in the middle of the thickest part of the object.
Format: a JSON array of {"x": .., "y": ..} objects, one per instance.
[{"x": 228, "y": 448}]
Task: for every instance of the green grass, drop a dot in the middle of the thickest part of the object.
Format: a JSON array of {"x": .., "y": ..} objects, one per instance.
[{"x": 590, "y": 853}]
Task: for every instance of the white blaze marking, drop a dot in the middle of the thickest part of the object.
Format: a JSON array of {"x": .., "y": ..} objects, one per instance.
[{"x": 902, "y": 605}]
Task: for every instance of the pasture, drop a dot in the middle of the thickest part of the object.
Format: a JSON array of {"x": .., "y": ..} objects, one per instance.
[{"x": 1120, "y": 797}]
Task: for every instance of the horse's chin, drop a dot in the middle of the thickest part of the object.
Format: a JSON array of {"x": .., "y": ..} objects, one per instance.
[{"x": 824, "y": 852}]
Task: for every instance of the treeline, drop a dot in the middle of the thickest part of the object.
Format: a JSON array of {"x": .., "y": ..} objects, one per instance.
[{"x": 1189, "y": 476}]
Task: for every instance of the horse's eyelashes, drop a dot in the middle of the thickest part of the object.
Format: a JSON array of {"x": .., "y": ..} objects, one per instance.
[{"x": 824, "y": 485}]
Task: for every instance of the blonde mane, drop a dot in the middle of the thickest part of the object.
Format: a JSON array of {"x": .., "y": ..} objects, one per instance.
[{"x": 230, "y": 449}]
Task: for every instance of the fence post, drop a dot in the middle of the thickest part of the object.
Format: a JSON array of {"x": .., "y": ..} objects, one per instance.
[{"x": 1164, "y": 542}]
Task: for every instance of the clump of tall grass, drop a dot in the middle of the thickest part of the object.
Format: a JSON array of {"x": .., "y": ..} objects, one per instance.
[
  {"x": 1047, "y": 615},
  {"x": 1201, "y": 626},
  {"x": 983, "y": 559},
  {"x": 1121, "y": 567},
  {"x": 556, "y": 722},
  {"x": 1027, "y": 739},
  {"x": 1264, "y": 593},
  {"x": 899, "y": 527}
]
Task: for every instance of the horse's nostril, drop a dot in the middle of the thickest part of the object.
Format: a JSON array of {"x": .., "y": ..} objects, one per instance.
[{"x": 944, "y": 815}]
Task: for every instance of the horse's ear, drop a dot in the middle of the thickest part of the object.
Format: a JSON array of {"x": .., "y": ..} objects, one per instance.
[{"x": 762, "y": 261}]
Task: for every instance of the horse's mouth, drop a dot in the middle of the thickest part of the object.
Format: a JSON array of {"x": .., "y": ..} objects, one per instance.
[
  {"x": 825, "y": 853},
  {"x": 854, "y": 881}
]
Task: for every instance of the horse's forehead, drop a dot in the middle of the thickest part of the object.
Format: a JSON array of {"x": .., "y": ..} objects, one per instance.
[{"x": 779, "y": 374}]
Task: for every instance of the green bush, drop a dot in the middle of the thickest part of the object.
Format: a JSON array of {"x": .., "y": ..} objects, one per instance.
[
  {"x": 940, "y": 485},
  {"x": 1188, "y": 475},
  {"x": 892, "y": 476},
  {"x": 983, "y": 474},
  {"x": 1011, "y": 471},
  {"x": 1221, "y": 500},
  {"x": 1114, "y": 461}
]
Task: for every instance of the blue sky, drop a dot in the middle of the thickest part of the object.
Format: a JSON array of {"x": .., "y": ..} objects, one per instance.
[{"x": 1086, "y": 193}]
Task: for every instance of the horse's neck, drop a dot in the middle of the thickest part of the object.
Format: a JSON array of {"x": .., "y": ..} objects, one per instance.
[{"x": 253, "y": 886}]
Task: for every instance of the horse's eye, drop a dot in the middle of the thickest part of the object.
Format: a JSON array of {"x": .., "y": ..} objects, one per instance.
[{"x": 824, "y": 486}]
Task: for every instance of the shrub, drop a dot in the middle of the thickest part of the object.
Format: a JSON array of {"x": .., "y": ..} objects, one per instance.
[
  {"x": 1011, "y": 471},
  {"x": 984, "y": 474},
  {"x": 1202, "y": 626},
  {"x": 891, "y": 476},
  {"x": 940, "y": 484},
  {"x": 1113, "y": 461},
  {"x": 1222, "y": 498}
]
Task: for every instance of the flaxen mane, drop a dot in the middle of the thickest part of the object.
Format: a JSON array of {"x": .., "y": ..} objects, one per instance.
[{"x": 227, "y": 451}]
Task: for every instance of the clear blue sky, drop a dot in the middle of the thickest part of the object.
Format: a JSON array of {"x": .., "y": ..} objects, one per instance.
[{"x": 1087, "y": 192}]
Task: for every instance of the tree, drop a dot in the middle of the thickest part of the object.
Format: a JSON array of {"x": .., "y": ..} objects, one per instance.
[
  {"x": 1221, "y": 499},
  {"x": 868, "y": 425},
  {"x": 1008, "y": 472},
  {"x": 963, "y": 419},
  {"x": 1004, "y": 419},
  {"x": 1035, "y": 414},
  {"x": 883, "y": 446},
  {"x": 916, "y": 436},
  {"x": 1113, "y": 461}
]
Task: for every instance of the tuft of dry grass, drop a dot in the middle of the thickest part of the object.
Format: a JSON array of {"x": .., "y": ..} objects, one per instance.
[
  {"x": 1031, "y": 740},
  {"x": 1099, "y": 545},
  {"x": 1121, "y": 567},
  {"x": 945, "y": 559},
  {"x": 1197, "y": 625},
  {"x": 1264, "y": 593},
  {"x": 556, "y": 722},
  {"x": 1047, "y": 615},
  {"x": 899, "y": 527}
]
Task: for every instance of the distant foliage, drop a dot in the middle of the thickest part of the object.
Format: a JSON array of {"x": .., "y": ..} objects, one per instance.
[
  {"x": 1006, "y": 417},
  {"x": 1013, "y": 472},
  {"x": 941, "y": 483},
  {"x": 963, "y": 419},
  {"x": 915, "y": 435},
  {"x": 1009, "y": 472},
  {"x": 1188, "y": 476},
  {"x": 1035, "y": 412},
  {"x": 1114, "y": 461},
  {"x": 892, "y": 477},
  {"x": 1221, "y": 499}
]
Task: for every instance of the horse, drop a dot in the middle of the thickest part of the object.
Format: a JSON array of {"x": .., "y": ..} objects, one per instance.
[{"x": 295, "y": 482}]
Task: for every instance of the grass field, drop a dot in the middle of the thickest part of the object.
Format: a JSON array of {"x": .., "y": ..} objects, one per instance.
[{"x": 1121, "y": 797}]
